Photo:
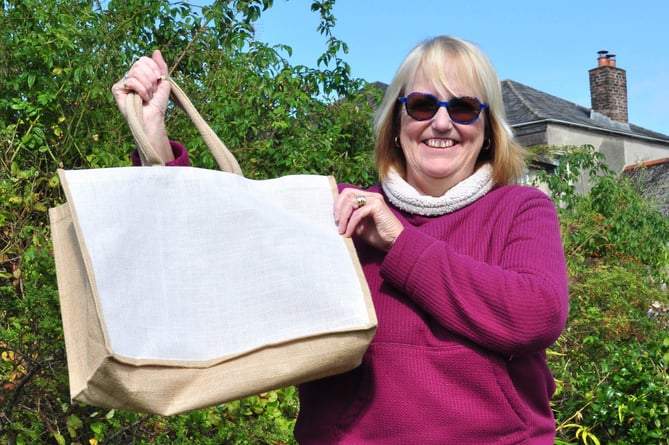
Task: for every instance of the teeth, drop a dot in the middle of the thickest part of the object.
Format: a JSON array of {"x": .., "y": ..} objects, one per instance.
[{"x": 439, "y": 143}]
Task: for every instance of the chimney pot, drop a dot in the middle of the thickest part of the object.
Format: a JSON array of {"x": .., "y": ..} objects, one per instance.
[
  {"x": 608, "y": 88},
  {"x": 602, "y": 59},
  {"x": 611, "y": 59}
]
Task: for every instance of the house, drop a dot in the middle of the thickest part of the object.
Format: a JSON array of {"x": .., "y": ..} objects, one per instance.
[{"x": 538, "y": 118}]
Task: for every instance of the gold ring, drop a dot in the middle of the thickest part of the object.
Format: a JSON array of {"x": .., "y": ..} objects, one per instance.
[{"x": 360, "y": 200}]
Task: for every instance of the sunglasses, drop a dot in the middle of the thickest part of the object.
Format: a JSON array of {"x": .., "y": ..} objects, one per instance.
[{"x": 462, "y": 110}]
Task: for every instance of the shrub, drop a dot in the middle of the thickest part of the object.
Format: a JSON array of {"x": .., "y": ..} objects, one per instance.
[
  {"x": 611, "y": 361},
  {"x": 60, "y": 60}
]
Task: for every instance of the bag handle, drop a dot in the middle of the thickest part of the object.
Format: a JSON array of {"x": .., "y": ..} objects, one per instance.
[{"x": 149, "y": 156}]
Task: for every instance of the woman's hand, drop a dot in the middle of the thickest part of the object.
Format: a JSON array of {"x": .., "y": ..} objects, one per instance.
[
  {"x": 145, "y": 77},
  {"x": 368, "y": 216}
]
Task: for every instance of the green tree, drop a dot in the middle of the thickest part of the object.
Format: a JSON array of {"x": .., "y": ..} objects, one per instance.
[
  {"x": 611, "y": 361},
  {"x": 60, "y": 58}
]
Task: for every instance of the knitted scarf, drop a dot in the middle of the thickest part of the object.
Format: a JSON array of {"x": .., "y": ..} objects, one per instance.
[{"x": 406, "y": 198}]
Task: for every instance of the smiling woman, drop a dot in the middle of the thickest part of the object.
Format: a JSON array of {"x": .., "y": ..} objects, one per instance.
[
  {"x": 466, "y": 270},
  {"x": 439, "y": 152},
  {"x": 461, "y": 79}
]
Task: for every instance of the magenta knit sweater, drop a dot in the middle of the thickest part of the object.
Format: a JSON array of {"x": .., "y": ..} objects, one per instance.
[{"x": 467, "y": 304}]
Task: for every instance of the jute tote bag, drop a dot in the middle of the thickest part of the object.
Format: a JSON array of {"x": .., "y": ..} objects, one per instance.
[{"x": 183, "y": 288}]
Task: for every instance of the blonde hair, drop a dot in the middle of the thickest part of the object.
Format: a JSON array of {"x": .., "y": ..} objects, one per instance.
[{"x": 505, "y": 154}]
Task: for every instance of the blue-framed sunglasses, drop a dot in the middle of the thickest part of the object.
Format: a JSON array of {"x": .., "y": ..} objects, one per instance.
[{"x": 462, "y": 110}]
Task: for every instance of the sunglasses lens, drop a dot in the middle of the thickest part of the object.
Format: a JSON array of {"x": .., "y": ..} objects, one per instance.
[
  {"x": 464, "y": 109},
  {"x": 421, "y": 106}
]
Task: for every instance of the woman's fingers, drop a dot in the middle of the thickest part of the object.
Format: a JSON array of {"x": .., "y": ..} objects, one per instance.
[
  {"x": 144, "y": 77},
  {"x": 368, "y": 216}
]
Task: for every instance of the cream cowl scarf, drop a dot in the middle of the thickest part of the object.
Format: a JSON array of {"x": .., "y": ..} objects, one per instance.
[{"x": 406, "y": 198}]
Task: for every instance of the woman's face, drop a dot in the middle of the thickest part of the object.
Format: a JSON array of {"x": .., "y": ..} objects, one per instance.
[{"x": 440, "y": 153}]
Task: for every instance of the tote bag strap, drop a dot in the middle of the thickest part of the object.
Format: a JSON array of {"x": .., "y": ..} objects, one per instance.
[{"x": 149, "y": 156}]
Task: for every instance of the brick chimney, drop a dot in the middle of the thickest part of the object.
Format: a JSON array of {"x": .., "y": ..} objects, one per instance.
[{"x": 608, "y": 88}]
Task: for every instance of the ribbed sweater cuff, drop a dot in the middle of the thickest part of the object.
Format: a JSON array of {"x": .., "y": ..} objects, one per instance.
[
  {"x": 181, "y": 158},
  {"x": 395, "y": 268}
]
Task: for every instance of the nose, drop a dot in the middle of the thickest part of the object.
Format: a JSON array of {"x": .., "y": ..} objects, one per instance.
[{"x": 442, "y": 120}]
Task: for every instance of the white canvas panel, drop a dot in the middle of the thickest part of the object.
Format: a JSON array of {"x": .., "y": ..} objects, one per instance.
[{"x": 194, "y": 264}]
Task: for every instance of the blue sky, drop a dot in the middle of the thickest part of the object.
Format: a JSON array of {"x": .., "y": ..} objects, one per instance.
[{"x": 547, "y": 45}]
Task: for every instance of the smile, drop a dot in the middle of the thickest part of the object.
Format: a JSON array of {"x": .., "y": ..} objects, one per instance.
[{"x": 439, "y": 143}]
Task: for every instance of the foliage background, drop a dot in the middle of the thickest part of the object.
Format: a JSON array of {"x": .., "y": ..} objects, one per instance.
[{"x": 60, "y": 59}]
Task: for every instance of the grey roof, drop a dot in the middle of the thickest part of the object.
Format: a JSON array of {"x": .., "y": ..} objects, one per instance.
[
  {"x": 653, "y": 180},
  {"x": 525, "y": 105}
]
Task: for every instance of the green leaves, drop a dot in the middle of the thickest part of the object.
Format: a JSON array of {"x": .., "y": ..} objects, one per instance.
[
  {"x": 607, "y": 219},
  {"x": 611, "y": 361},
  {"x": 60, "y": 58}
]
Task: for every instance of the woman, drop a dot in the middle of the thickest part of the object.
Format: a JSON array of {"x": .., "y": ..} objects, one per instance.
[{"x": 466, "y": 271}]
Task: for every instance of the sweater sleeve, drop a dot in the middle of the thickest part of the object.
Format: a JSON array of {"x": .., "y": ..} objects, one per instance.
[
  {"x": 512, "y": 300},
  {"x": 181, "y": 158}
]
